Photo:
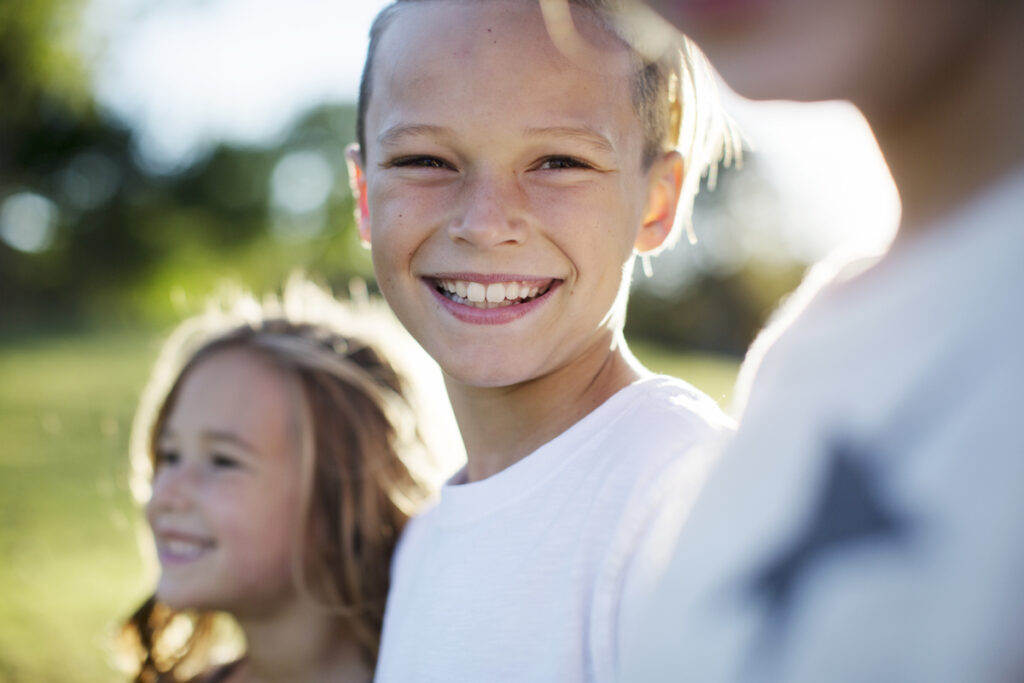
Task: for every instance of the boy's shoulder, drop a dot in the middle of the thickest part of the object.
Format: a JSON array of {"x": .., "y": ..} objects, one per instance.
[
  {"x": 660, "y": 410},
  {"x": 649, "y": 441},
  {"x": 670, "y": 425},
  {"x": 668, "y": 394},
  {"x": 625, "y": 448}
]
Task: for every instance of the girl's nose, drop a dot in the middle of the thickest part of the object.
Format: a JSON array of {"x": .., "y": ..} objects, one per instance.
[{"x": 174, "y": 487}]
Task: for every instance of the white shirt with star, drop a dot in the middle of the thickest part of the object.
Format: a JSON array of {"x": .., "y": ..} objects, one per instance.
[{"x": 867, "y": 523}]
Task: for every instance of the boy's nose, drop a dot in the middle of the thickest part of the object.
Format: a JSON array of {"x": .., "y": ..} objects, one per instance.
[{"x": 491, "y": 213}]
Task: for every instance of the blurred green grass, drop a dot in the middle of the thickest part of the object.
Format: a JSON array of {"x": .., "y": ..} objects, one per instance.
[
  {"x": 69, "y": 562},
  {"x": 70, "y": 569}
]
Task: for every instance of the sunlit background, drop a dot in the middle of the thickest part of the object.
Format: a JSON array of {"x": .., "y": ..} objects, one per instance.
[{"x": 151, "y": 149}]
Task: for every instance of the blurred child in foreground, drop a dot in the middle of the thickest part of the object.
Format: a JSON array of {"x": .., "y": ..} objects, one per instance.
[
  {"x": 867, "y": 524},
  {"x": 275, "y": 446}
]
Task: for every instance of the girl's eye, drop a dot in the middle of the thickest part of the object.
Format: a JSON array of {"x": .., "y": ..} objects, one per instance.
[
  {"x": 221, "y": 461},
  {"x": 166, "y": 456},
  {"x": 419, "y": 162},
  {"x": 560, "y": 162}
]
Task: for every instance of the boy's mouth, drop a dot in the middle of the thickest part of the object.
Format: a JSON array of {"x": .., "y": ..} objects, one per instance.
[{"x": 491, "y": 294}]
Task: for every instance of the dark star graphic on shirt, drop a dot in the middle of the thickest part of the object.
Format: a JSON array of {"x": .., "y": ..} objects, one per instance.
[{"x": 849, "y": 511}]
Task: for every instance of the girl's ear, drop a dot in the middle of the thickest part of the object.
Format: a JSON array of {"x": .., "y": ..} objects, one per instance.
[
  {"x": 664, "y": 185},
  {"x": 357, "y": 181}
]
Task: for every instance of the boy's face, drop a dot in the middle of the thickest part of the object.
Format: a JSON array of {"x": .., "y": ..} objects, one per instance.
[
  {"x": 873, "y": 52},
  {"x": 502, "y": 187}
]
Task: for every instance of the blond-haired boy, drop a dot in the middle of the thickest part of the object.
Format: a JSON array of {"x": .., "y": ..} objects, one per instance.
[{"x": 514, "y": 157}]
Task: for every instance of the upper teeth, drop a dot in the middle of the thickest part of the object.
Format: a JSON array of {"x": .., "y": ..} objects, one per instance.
[
  {"x": 494, "y": 292},
  {"x": 183, "y": 548}
]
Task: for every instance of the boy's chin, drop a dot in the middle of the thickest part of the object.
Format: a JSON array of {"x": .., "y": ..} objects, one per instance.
[{"x": 483, "y": 377}]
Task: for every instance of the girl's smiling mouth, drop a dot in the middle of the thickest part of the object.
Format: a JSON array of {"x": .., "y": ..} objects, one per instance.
[{"x": 180, "y": 548}]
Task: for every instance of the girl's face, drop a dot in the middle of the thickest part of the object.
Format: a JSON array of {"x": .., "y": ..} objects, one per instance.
[{"x": 225, "y": 505}]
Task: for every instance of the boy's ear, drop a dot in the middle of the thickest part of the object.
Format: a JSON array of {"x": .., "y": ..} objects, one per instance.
[
  {"x": 357, "y": 181},
  {"x": 665, "y": 183}
]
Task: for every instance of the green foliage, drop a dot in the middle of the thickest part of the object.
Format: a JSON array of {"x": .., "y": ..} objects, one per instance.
[
  {"x": 117, "y": 238},
  {"x": 721, "y": 313},
  {"x": 39, "y": 57},
  {"x": 149, "y": 232}
]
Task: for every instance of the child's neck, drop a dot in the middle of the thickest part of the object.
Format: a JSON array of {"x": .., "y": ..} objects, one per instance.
[
  {"x": 302, "y": 645},
  {"x": 502, "y": 425},
  {"x": 962, "y": 131}
]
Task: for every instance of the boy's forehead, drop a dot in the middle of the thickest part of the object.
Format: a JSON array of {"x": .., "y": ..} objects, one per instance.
[{"x": 435, "y": 50}]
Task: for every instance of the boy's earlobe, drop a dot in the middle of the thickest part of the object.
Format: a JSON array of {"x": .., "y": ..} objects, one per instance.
[
  {"x": 664, "y": 189},
  {"x": 357, "y": 182}
]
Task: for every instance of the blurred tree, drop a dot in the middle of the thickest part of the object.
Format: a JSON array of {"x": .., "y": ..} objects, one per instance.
[
  {"x": 716, "y": 294},
  {"x": 86, "y": 230}
]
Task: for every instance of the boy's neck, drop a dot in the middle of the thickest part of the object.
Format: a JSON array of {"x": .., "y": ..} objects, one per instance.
[
  {"x": 502, "y": 425},
  {"x": 962, "y": 131}
]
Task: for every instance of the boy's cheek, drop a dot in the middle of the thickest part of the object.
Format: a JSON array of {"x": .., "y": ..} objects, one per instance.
[{"x": 410, "y": 205}]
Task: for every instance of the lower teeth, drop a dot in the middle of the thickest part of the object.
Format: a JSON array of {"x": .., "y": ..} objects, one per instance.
[{"x": 484, "y": 304}]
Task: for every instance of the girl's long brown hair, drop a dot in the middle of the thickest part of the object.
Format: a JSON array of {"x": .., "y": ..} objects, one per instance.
[{"x": 360, "y": 441}]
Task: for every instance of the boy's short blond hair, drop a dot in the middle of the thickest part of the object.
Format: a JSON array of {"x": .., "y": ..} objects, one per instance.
[{"x": 674, "y": 94}]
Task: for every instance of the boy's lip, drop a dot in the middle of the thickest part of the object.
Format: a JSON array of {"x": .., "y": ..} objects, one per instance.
[
  {"x": 487, "y": 278},
  {"x": 490, "y": 298}
]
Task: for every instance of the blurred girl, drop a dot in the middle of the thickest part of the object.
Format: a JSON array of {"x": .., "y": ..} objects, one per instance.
[{"x": 277, "y": 454}]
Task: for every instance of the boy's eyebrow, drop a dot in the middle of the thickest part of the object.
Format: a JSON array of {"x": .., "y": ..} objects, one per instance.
[
  {"x": 394, "y": 134},
  {"x": 585, "y": 134}
]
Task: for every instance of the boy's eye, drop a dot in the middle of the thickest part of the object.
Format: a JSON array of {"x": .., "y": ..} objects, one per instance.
[
  {"x": 421, "y": 161},
  {"x": 562, "y": 162}
]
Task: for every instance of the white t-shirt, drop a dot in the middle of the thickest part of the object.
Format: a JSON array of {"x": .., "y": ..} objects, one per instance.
[
  {"x": 867, "y": 523},
  {"x": 522, "y": 576}
]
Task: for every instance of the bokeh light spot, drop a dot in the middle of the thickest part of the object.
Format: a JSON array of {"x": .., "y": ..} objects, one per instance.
[
  {"x": 301, "y": 182},
  {"x": 28, "y": 222}
]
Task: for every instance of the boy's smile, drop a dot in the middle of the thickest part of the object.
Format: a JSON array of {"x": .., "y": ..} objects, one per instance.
[
  {"x": 504, "y": 188},
  {"x": 490, "y": 299}
]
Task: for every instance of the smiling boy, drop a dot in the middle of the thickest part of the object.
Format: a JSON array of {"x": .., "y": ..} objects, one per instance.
[{"x": 505, "y": 184}]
